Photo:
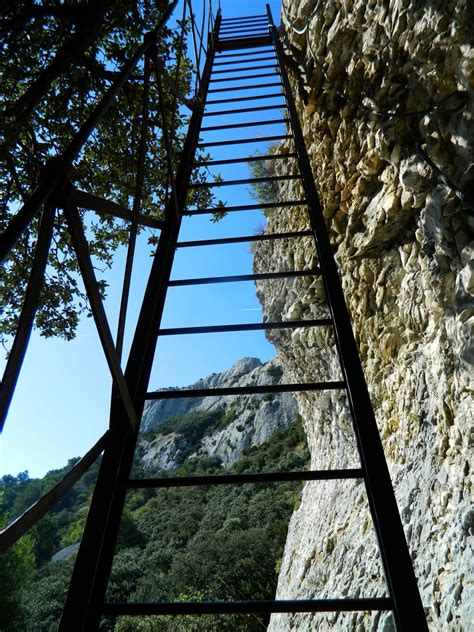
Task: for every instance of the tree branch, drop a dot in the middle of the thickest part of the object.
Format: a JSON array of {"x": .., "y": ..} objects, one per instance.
[{"x": 85, "y": 35}]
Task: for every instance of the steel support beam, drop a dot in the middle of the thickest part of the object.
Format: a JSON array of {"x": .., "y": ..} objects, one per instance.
[{"x": 86, "y": 594}]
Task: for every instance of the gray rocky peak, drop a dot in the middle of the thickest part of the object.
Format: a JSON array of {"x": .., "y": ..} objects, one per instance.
[{"x": 244, "y": 420}]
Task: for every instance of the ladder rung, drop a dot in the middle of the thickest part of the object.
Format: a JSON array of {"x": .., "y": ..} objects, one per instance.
[
  {"x": 260, "y": 76},
  {"x": 245, "y": 390},
  {"x": 215, "y": 128},
  {"x": 244, "y": 239},
  {"x": 261, "y": 108},
  {"x": 243, "y": 141},
  {"x": 244, "y": 479},
  {"x": 255, "y": 25},
  {"x": 231, "y": 161},
  {"x": 263, "y": 85},
  {"x": 257, "y": 40},
  {"x": 245, "y": 17},
  {"x": 246, "y": 607},
  {"x": 217, "y": 329},
  {"x": 238, "y": 61},
  {"x": 241, "y": 35},
  {"x": 217, "y": 183},
  {"x": 254, "y": 18},
  {"x": 237, "y": 278},
  {"x": 229, "y": 23},
  {"x": 246, "y": 207},
  {"x": 254, "y": 52},
  {"x": 244, "y": 42},
  {"x": 257, "y": 97},
  {"x": 246, "y": 28},
  {"x": 220, "y": 72}
]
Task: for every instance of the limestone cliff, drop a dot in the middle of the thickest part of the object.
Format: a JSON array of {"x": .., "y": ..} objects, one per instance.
[{"x": 384, "y": 93}]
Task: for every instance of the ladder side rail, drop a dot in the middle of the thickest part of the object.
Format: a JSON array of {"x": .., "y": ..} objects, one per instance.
[
  {"x": 400, "y": 576},
  {"x": 28, "y": 312},
  {"x": 82, "y": 610}
]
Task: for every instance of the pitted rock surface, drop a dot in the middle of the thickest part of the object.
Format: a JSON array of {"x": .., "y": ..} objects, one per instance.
[{"x": 404, "y": 244}]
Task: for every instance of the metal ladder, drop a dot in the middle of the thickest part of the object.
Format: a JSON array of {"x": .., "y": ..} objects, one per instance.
[{"x": 233, "y": 42}]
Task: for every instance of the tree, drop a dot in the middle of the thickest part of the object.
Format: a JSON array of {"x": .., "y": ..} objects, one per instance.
[
  {"x": 16, "y": 569},
  {"x": 45, "y": 535},
  {"x": 192, "y": 543},
  {"x": 43, "y": 599},
  {"x": 56, "y": 61}
]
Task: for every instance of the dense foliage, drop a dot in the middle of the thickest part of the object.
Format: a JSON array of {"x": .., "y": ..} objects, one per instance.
[
  {"x": 189, "y": 544},
  {"x": 56, "y": 61}
]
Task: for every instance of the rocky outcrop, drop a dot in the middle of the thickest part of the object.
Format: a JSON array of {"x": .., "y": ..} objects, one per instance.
[
  {"x": 384, "y": 92},
  {"x": 249, "y": 420}
]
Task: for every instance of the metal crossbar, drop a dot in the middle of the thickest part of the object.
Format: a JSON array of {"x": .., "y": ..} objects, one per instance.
[
  {"x": 86, "y": 600},
  {"x": 254, "y": 97},
  {"x": 230, "y": 63},
  {"x": 251, "y": 87},
  {"x": 247, "y": 207},
  {"x": 265, "y": 66},
  {"x": 214, "y": 329},
  {"x": 248, "y": 607},
  {"x": 246, "y": 159},
  {"x": 245, "y": 18},
  {"x": 246, "y": 29},
  {"x": 245, "y": 479},
  {"x": 245, "y": 110},
  {"x": 244, "y": 36},
  {"x": 243, "y": 141},
  {"x": 250, "y": 42},
  {"x": 101, "y": 206},
  {"x": 245, "y": 78},
  {"x": 223, "y": 183},
  {"x": 215, "y": 128},
  {"x": 246, "y": 390},
  {"x": 247, "y": 53},
  {"x": 243, "y": 239},
  {"x": 237, "y": 278}
]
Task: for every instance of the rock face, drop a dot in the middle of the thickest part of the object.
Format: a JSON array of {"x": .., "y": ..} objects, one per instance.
[
  {"x": 250, "y": 420},
  {"x": 384, "y": 92}
]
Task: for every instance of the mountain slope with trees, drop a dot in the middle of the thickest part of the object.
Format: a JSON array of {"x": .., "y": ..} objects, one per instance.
[{"x": 185, "y": 544}]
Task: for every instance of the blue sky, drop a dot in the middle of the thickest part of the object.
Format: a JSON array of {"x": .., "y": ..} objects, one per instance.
[{"x": 61, "y": 403}]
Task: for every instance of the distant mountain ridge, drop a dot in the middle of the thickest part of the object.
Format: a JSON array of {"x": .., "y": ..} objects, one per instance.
[{"x": 216, "y": 427}]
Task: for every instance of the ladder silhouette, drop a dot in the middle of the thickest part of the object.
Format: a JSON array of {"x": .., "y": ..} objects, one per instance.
[{"x": 234, "y": 42}]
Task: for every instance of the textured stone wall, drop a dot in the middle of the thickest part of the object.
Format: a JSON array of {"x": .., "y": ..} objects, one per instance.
[{"x": 383, "y": 88}]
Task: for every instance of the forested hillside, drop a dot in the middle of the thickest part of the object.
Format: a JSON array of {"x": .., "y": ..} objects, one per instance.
[{"x": 194, "y": 543}]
